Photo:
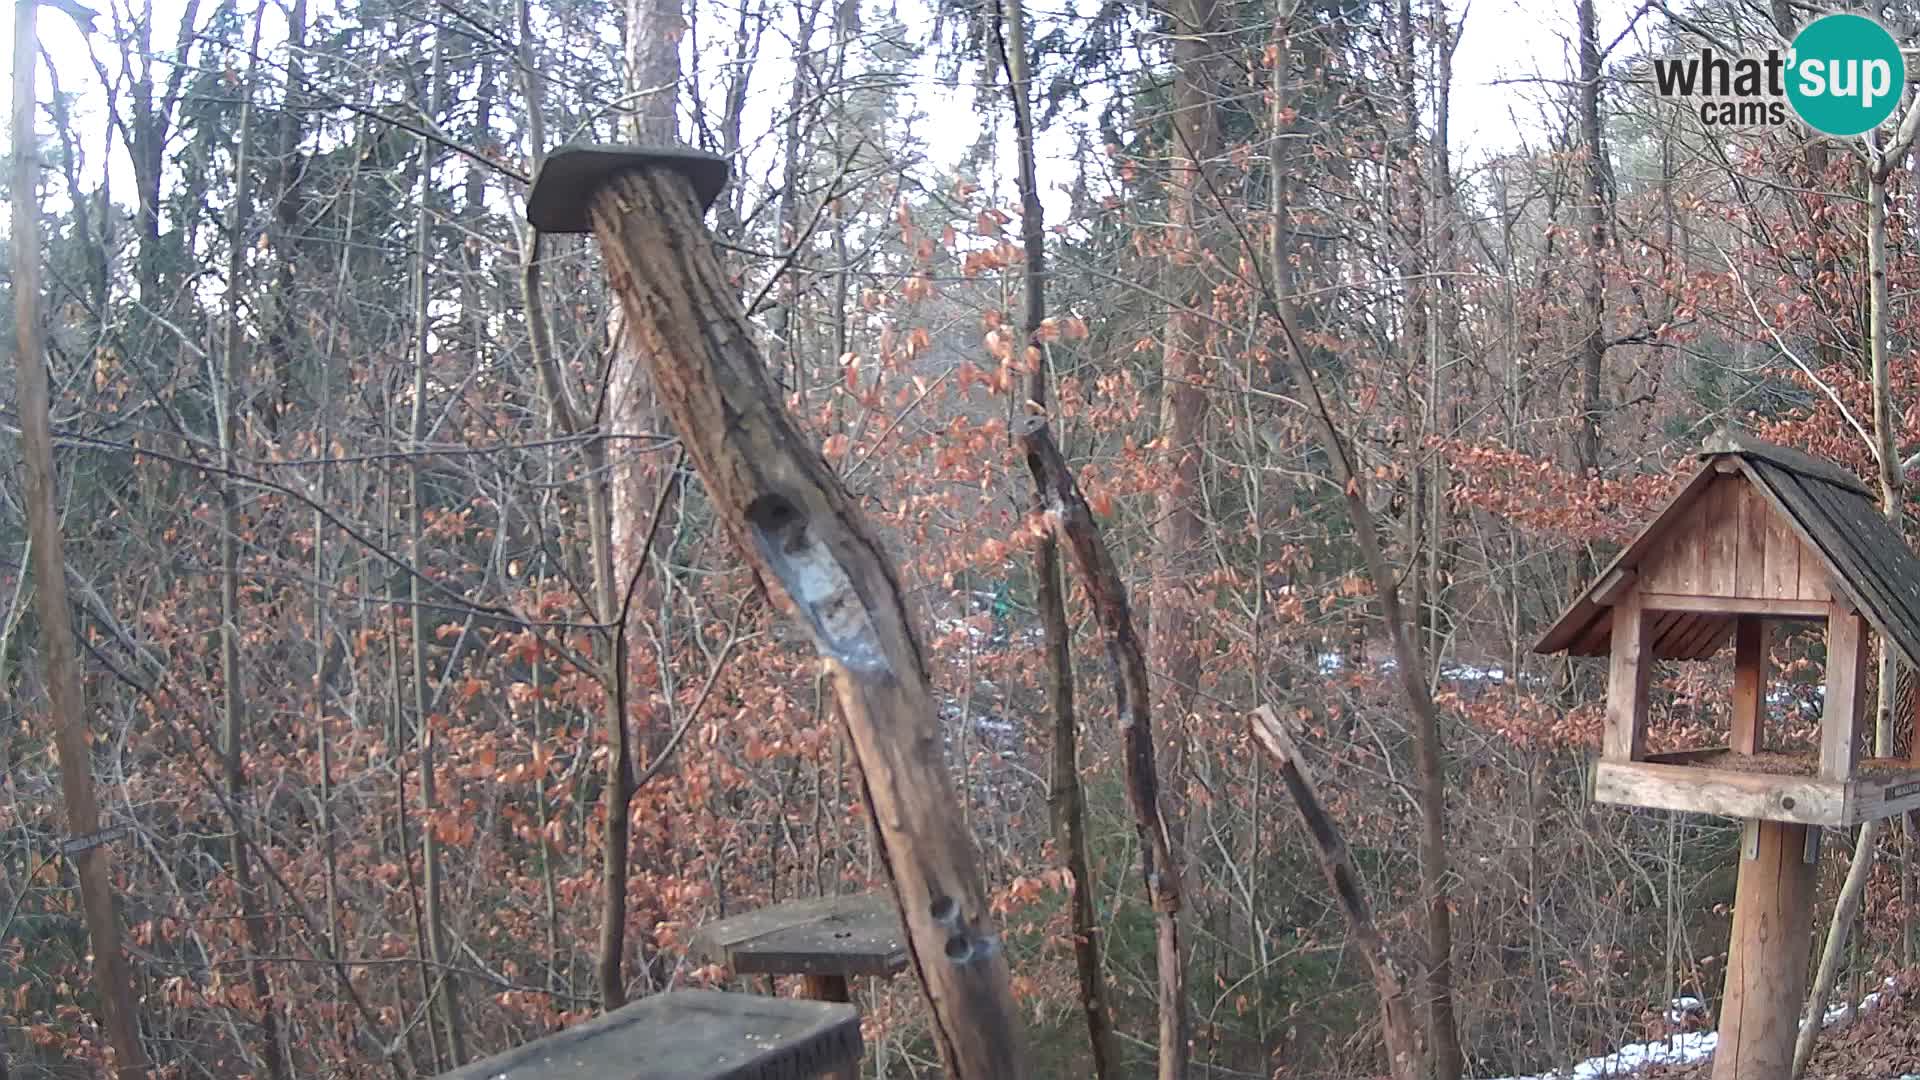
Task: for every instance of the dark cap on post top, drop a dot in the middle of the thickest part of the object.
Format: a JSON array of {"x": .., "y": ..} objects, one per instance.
[{"x": 565, "y": 182}]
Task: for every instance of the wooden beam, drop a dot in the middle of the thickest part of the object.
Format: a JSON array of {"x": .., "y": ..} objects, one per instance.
[
  {"x": 1767, "y": 956},
  {"x": 1625, "y": 737},
  {"x": 788, "y": 514},
  {"x": 1608, "y": 590},
  {"x": 1773, "y": 607},
  {"x": 1809, "y": 800},
  {"x": 1846, "y": 674},
  {"x": 1749, "y": 684},
  {"x": 689, "y": 1035}
]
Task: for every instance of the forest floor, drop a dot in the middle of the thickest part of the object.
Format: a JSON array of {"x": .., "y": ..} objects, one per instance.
[{"x": 1880, "y": 1043}]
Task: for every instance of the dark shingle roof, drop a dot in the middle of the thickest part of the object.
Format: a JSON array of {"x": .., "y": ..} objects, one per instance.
[{"x": 1833, "y": 513}]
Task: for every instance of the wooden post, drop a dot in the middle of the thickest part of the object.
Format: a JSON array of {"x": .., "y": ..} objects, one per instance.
[
  {"x": 1749, "y": 684},
  {"x": 1625, "y": 737},
  {"x": 789, "y": 516},
  {"x": 1767, "y": 957},
  {"x": 831, "y": 988},
  {"x": 1846, "y": 670}
]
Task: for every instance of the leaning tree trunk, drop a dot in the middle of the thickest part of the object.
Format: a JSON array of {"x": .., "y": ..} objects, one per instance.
[
  {"x": 788, "y": 513},
  {"x": 1071, "y": 520},
  {"x": 1389, "y": 983}
]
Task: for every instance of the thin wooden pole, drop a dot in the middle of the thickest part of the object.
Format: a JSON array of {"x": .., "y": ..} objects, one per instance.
[{"x": 94, "y": 864}]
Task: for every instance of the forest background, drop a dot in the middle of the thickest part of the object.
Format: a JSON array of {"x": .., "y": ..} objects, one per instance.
[{"x": 439, "y": 715}]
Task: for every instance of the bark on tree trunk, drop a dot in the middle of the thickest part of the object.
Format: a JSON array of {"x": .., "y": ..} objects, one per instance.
[
  {"x": 446, "y": 996},
  {"x": 789, "y": 515},
  {"x": 1886, "y": 434},
  {"x": 1071, "y": 520},
  {"x": 94, "y": 865},
  {"x": 622, "y": 484},
  {"x": 1068, "y": 802},
  {"x": 233, "y": 709},
  {"x": 1171, "y": 632}
]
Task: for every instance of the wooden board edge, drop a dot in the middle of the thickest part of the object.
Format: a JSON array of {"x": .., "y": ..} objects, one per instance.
[{"x": 1719, "y": 792}]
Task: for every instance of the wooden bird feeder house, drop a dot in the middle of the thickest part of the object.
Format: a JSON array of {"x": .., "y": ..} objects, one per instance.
[{"x": 1760, "y": 535}]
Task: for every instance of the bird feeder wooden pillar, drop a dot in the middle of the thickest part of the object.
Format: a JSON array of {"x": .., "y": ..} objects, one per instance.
[
  {"x": 789, "y": 516},
  {"x": 1761, "y": 534}
]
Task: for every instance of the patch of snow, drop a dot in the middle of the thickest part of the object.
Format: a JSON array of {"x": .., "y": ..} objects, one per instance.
[
  {"x": 1681, "y": 1008},
  {"x": 1685, "y": 1048},
  {"x": 1331, "y": 662},
  {"x": 1469, "y": 673}
]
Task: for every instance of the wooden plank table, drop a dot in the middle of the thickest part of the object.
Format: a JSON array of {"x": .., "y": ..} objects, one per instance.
[
  {"x": 825, "y": 941},
  {"x": 689, "y": 1035}
]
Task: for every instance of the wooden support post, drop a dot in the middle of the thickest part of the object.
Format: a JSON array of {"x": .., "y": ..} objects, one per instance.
[
  {"x": 831, "y": 988},
  {"x": 1749, "y": 684},
  {"x": 790, "y": 517},
  {"x": 1846, "y": 672},
  {"x": 1625, "y": 738},
  {"x": 1767, "y": 957},
  {"x": 825, "y": 988}
]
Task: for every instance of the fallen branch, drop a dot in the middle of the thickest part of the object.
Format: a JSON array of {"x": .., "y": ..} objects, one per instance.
[{"x": 1396, "y": 1018}]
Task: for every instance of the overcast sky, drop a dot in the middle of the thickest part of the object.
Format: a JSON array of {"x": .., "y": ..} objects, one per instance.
[{"x": 1508, "y": 46}]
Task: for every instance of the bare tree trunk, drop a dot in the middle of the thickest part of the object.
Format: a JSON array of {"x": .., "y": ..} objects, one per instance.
[
  {"x": 1886, "y": 434},
  {"x": 233, "y": 709},
  {"x": 113, "y": 988},
  {"x": 622, "y": 484},
  {"x": 791, "y": 518},
  {"x": 1071, "y": 520},
  {"x": 447, "y": 994},
  {"x": 1178, "y": 535},
  {"x": 654, "y": 28},
  {"x": 783, "y": 359},
  {"x": 1068, "y": 801},
  {"x": 1593, "y": 346}
]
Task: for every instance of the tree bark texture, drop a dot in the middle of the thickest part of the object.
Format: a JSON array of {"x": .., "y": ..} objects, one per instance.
[
  {"x": 94, "y": 866},
  {"x": 1071, "y": 520},
  {"x": 1178, "y": 534},
  {"x": 789, "y": 515},
  {"x": 1067, "y": 798}
]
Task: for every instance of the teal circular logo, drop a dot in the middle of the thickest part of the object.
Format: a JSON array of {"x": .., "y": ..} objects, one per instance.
[{"x": 1845, "y": 74}]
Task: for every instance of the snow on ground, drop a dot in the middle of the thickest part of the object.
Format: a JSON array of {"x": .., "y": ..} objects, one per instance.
[{"x": 1683, "y": 1048}]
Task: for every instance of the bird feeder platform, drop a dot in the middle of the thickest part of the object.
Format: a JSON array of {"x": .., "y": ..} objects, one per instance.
[
  {"x": 1760, "y": 535},
  {"x": 826, "y": 941},
  {"x": 689, "y": 1035}
]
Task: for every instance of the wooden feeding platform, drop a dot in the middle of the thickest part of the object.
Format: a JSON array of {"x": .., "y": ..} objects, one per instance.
[
  {"x": 689, "y": 1035},
  {"x": 1773, "y": 785},
  {"x": 1761, "y": 534},
  {"x": 825, "y": 941}
]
